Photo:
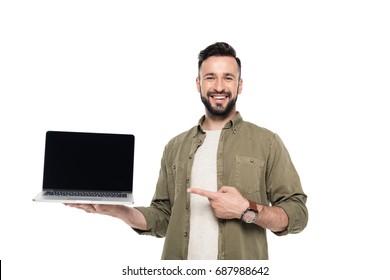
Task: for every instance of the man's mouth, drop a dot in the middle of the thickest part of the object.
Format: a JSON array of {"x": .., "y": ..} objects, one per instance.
[{"x": 219, "y": 97}]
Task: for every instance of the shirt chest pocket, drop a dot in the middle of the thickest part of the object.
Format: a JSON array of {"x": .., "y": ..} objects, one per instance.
[
  {"x": 176, "y": 179},
  {"x": 248, "y": 174}
]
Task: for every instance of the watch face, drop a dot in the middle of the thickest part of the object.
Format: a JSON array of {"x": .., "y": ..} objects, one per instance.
[{"x": 250, "y": 216}]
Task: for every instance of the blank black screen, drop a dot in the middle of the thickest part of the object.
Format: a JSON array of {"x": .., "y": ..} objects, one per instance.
[{"x": 88, "y": 161}]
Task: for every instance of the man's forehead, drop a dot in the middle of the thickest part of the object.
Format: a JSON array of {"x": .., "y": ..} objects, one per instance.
[{"x": 220, "y": 64}]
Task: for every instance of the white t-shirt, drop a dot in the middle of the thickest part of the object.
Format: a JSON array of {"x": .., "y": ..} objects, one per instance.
[{"x": 203, "y": 242}]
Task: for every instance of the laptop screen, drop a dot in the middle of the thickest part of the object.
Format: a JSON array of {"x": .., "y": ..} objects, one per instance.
[{"x": 88, "y": 161}]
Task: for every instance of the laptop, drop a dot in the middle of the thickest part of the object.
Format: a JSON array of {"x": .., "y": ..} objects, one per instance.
[{"x": 85, "y": 167}]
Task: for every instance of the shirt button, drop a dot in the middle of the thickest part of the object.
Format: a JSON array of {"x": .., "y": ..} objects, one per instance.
[
  {"x": 185, "y": 234},
  {"x": 187, "y": 181}
]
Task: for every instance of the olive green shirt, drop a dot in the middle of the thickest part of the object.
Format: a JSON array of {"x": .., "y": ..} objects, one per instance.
[{"x": 250, "y": 158}]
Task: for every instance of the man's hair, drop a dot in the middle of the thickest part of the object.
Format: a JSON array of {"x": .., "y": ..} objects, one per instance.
[{"x": 218, "y": 49}]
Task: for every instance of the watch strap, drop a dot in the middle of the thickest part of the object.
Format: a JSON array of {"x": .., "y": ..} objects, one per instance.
[{"x": 253, "y": 205}]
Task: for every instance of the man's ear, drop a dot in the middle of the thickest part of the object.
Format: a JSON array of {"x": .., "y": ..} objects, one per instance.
[
  {"x": 198, "y": 83},
  {"x": 239, "y": 88}
]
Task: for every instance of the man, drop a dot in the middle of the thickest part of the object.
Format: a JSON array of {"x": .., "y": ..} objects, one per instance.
[{"x": 223, "y": 182}]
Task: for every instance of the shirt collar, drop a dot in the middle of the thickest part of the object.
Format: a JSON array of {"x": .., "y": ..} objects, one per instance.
[{"x": 231, "y": 124}]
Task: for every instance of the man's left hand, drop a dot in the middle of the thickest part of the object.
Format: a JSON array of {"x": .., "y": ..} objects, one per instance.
[{"x": 226, "y": 203}]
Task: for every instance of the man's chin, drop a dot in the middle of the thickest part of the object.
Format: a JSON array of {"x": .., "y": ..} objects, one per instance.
[{"x": 218, "y": 113}]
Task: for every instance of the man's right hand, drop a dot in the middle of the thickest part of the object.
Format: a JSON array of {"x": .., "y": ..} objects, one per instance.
[
  {"x": 104, "y": 209},
  {"x": 130, "y": 216}
]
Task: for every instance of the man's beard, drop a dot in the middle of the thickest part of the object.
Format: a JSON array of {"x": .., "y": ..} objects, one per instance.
[{"x": 219, "y": 111}]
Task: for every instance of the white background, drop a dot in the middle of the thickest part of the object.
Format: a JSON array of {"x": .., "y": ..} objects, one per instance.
[{"x": 315, "y": 72}]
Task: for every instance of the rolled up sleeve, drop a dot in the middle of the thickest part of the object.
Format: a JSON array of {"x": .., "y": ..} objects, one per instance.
[
  {"x": 157, "y": 218},
  {"x": 284, "y": 188}
]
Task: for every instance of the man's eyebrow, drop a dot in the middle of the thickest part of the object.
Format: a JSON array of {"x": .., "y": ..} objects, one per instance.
[
  {"x": 224, "y": 74},
  {"x": 209, "y": 74}
]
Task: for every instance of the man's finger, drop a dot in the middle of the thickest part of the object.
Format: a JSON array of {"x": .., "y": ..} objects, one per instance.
[{"x": 202, "y": 192}]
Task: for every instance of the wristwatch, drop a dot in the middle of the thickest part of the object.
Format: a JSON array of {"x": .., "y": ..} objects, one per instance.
[{"x": 250, "y": 215}]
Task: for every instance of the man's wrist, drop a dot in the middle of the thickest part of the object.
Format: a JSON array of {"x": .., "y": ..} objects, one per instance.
[{"x": 244, "y": 209}]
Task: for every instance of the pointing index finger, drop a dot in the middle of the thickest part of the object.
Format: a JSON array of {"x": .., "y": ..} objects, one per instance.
[{"x": 202, "y": 192}]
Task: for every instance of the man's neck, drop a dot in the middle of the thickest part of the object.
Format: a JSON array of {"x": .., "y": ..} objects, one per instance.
[{"x": 216, "y": 123}]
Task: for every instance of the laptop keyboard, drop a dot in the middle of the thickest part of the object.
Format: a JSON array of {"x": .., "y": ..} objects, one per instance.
[{"x": 90, "y": 194}]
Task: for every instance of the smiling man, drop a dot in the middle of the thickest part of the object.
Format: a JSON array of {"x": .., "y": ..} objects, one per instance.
[
  {"x": 219, "y": 83},
  {"x": 224, "y": 182}
]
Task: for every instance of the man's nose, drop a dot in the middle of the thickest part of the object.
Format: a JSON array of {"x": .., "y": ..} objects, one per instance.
[{"x": 219, "y": 85}]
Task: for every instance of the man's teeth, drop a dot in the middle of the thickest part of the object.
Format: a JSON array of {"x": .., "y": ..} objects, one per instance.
[{"x": 219, "y": 97}]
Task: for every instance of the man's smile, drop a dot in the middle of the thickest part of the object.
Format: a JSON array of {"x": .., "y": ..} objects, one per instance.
[{"x": 218, "y": 97}]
